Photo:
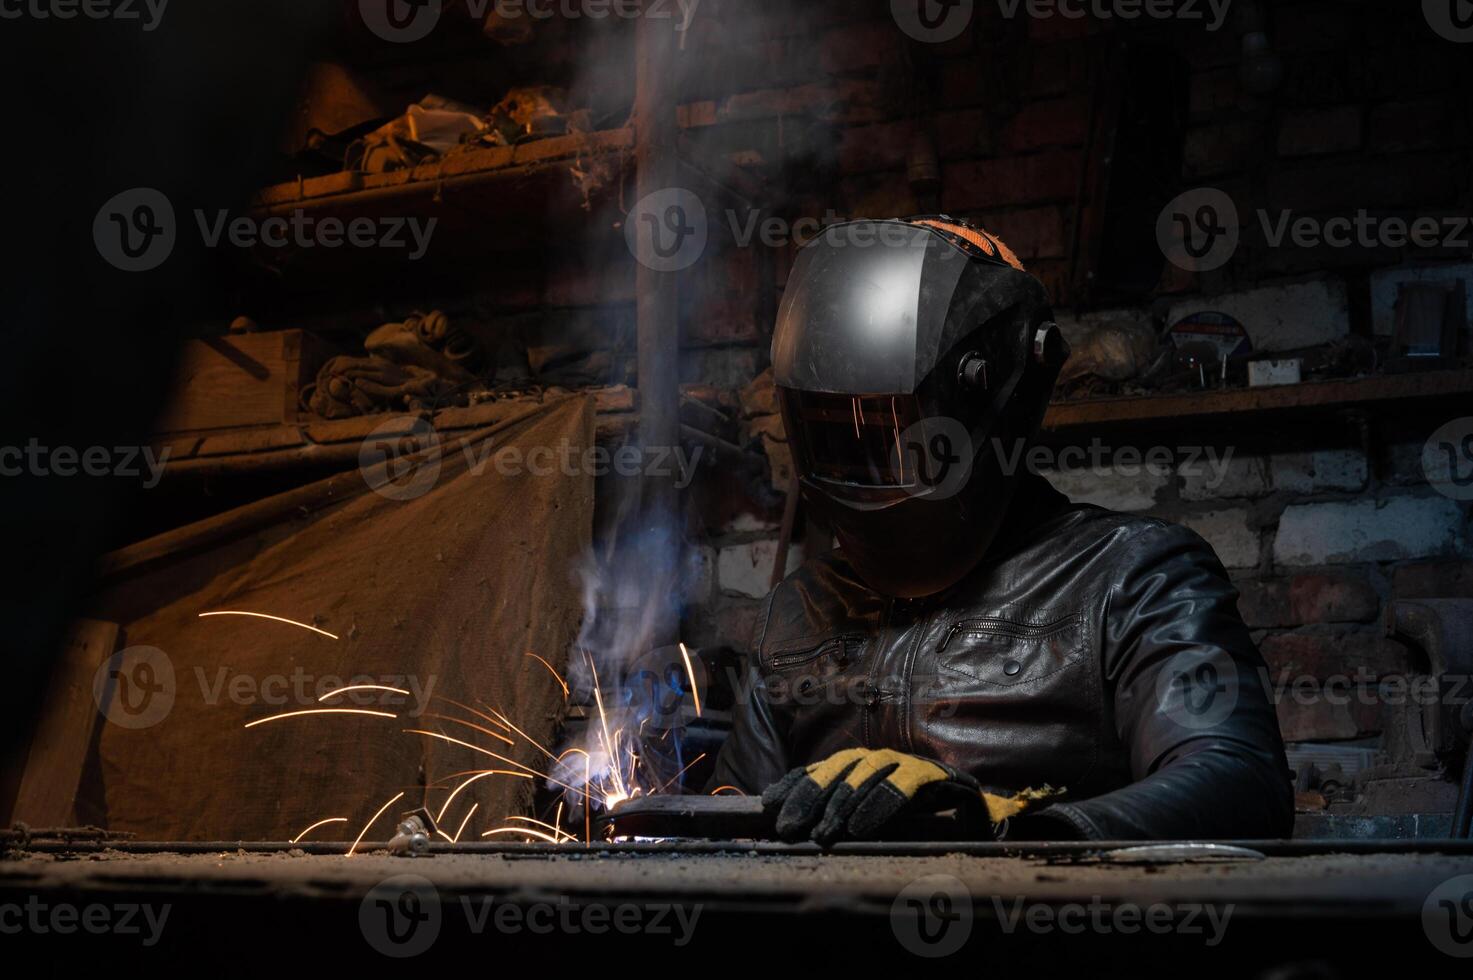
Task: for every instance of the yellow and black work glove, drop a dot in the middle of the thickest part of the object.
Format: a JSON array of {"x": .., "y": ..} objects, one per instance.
[{"x": 855, "y": 793}]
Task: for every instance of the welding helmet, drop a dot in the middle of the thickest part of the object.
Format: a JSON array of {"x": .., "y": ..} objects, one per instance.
[{"x": 913, "y": 361}]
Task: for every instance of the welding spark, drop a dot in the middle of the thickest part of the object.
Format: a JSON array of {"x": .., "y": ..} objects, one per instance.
[
  {"x": 561, "y": 683},
  {"x": 279, "y": 619},
  {"x": 499, "y": 758},
  {"x": 691, "y": 673},
  {"x": 735, "y": 791},
  {"x": 469, "y": 724},
  {"x": 557, "y": 831},
  {"x": 479, "y": 775},
  {"x": 461, "y": 829},
  {"x": 465, "y": 707},
  {"x": 321, "y": 711},
  {"x": 362, "y": 687},
  {"x": 316, "y": 825},
  {"x": 523, "y": 830},
  {"x": 532, "y": 741},
  {"x": 603, "y": 721},
  {"x": 371, "y": 821},
  {"x": 682, "y": 772}
]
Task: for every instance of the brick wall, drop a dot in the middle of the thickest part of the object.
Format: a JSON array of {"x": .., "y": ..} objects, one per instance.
[{"x": 817, "y": 106}]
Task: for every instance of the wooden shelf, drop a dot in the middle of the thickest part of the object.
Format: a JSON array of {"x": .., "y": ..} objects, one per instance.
[
  {"x": 500, "y": 169},
  {"x": 1203, "y": 405}
]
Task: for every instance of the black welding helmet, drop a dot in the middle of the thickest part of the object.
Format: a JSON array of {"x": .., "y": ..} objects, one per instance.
[{"x": 913, "y": 362}]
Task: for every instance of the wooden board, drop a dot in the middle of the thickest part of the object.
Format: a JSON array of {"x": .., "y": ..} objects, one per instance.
[
  {"x": 63, "y": 737},
  {"x": 1305, "y": 395},
  {"x": 241, "y": 380}
]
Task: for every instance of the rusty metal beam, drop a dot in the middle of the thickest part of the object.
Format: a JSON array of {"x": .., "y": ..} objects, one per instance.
[{"x": 656, "y": 134}]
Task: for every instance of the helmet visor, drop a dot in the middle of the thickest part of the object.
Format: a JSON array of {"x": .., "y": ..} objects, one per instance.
[
  {"x": 853, "y": 441},
  {"x": 866, "y": 308}
]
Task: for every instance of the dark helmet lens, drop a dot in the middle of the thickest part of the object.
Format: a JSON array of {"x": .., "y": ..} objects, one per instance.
[{"x": 853, "y": 440}]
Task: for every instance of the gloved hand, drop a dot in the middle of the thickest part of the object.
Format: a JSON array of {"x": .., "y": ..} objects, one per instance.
[{"x": 854, "y": 793}]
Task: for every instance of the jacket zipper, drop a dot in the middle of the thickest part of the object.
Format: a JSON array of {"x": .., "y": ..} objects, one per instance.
[
  {"x": 1003, "y": 627},
  {"x": 806, "y": 654}
]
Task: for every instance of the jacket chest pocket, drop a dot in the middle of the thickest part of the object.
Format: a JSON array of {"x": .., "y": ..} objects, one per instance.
[
  {"x": 1002, "y": 653},
  {"x": 798, "y": 669}
]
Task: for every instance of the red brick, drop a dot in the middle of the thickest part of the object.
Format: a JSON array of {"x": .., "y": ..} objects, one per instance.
[
  {"x": 1433, "y": 580},
  {"x": 574, "y": 282},
  {"x": 965, "y": 133},
  {"x": 984, "y": 184},
  {"x": 1033, "y": 233},
  {"x": 879, "y": 196},
  {"x": 1320, "y": 131},
  {"x": 1264, "y": 603},
  {"x": 1060, "y": 28},
  {"x": 716, "y": 299},
  {"x": 1219, "y": 148},
  {"x": 1319, "y": 720},
  {"x": 1214, "y": 91},
  {"x": 1057, "y": 122},
  {"x": 1322, "y": 655},
  {"x": 855, "y": 46},
  {"x": 963, "y": 82},
  {"x": 1397, "y": 127},
  {"x": 865, "y": 149},
  {"x": 1332, "y": 598},
  {"x": 1347, "y": 185}
]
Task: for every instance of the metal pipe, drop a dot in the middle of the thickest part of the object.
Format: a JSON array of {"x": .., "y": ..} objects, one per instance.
[{"x": 657, "y": 302}]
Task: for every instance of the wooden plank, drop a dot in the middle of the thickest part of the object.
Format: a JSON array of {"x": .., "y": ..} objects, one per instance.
[
  {"x": 67, "y": 723},
  {"x": 487, "y": 165},
  {"x": 1307, "y": 394}
]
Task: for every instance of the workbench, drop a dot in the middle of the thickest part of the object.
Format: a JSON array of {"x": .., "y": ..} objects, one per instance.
[{"x": 1339, "y": 907}]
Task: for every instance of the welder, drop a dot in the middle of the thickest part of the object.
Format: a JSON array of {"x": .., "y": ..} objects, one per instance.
[{"x": 977, "y": 643}]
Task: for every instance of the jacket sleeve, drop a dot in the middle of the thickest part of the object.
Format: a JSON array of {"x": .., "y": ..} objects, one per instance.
[
  {"x": 755, "y": 753},
  {"x": 1190, "y": 704}
]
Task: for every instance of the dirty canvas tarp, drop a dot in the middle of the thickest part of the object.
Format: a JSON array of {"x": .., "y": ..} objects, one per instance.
[{"x": 441, "y": 595}]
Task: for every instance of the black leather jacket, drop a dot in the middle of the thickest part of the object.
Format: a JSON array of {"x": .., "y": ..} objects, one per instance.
[{"x": 1092, "y": 651}]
